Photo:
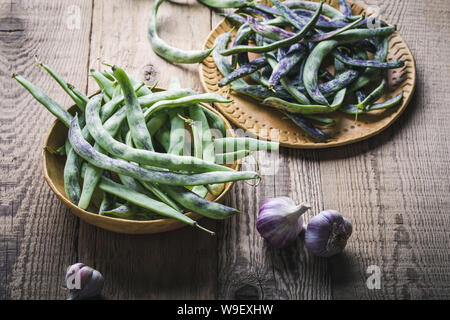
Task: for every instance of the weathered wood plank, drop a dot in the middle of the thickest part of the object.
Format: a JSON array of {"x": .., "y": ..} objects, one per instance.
[
  {"x": 37, "y": 231},
  {"x": 394, "y": 187},
  {"x": 175, "y": 265}
]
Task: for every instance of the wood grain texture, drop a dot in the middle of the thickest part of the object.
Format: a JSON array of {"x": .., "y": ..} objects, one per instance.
[
  {"x": 393, "y": 187},
  {"x": 37, "y": 233}
]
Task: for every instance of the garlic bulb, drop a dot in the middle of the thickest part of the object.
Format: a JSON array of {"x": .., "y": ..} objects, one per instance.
[
  {"x": 280, "y": 220},
  {"x": 327, "y": 233},
  {"x": 83, "y": 282}
]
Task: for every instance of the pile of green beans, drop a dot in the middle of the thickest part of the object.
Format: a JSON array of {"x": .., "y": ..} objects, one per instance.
[
  {"x": 296, "y": 41},
  {"x": 130, "y": 147}
]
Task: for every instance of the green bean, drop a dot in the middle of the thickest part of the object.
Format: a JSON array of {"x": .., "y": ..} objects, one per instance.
[
  {"x": 334, "y": 33},
  {"x": 135, "y": 116},
  {"x": 80, "y": 102},
  {"x": 144, "y": 201},
  {"x": 168, "y": 52},
  {"x": 156, "y": 122},
  {"x": 355, "y": 35},
  {"x": 221, "y": 62},
  {"x": 107, "y": 203},
  {"x": 215, "y": 121},
  {"x": 93, "y": 174},
  {"x": 177, "y": 132},
  {"x": 307, "y": 127},
  {"x": 312, "y": 65},
  {"x": 201, "y": 191},
  {"x": 327, "y": 10},
  {"x": 207, "y": 145},
  {"x": 61, "y": 151},
  {"x": 243, "y": 70},
  {"x": 117, "y": 92},
  {"x": 153, "y": 188},
  {"x": 373, "y": 96},
  {"x": 230, "y": 157},
  {"x": 87, "y": 152},
  {"x": 277, "y": 44},
  {"x": 197, "y": 115},
  {"x": 71, "y": 177},
  {"x": 142, "y": 91},
  {"x": 370, "y": 74},
  {"x": 287, "y": 84},
  {"x": 177, "y": 117},
  {"x": 225, "y": 145},
  {"x": 287, "y": 14},
  {"x": 195, "y": 203},
  {"x": 163, "y": 137},
  {"x": 110, "y": 107},
  {"x": 322, "y": 119},
  {"x": 104, "y": 83},
  {"x": 307, "y": 109},
  {"x": 353, "y": 110},
  {"x": 196, "y": 128},
  {"x": 120, "y": 150},
  {"x": 149, "y": 100},
  {"x": 368, "y": 63},
  {"x": 133, "y": 184},
  {"x": 268, "y": 31},
  {"x": 223, "y": 4},
  {"x": 45, "y": 100},
  {"x": 128, "y": 212},
  {"x": 185, "y": 101}
]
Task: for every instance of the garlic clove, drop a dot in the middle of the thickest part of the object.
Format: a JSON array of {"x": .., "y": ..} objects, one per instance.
[
  {"x": 83, "y": 282},
  {"x": 327, "y": 233},
  {"x": 280, "y": 220}
]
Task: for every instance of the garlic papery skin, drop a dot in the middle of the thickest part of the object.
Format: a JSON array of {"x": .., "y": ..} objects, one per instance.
[
  {"x": 83, "y": 282},
  {"x": 327, "y": 233},
  {"x": 280, "y": 220}
]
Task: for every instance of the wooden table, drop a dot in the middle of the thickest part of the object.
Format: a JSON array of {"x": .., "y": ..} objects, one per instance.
[{"x": 393, "y": 187}]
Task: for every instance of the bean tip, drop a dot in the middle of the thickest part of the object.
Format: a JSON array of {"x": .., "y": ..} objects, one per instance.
[
  {"x": 38, "y": 62},
  {"x": 14, "y": 75},
  {"x": 212, "y": 233}
]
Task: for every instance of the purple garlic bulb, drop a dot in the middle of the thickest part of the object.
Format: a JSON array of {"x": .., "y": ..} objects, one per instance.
[
  {"x": 280, "y": 220},
  {"x": 83, "y": 282},
  {"x": 327, "y": 233}
]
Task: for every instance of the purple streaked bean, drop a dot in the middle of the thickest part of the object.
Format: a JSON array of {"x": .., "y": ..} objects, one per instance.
[
  {"x": 285, "y": 65},
  {"x": 261, "y": 92},
  {"x": 307, "y": 127},
  {"x": 327, "y": 10},
  {"x": 168, "y": 52},
  {"x": 353, "y": 110},
  {"x": 151, "y": 158},
  {"x": 256, "y": 11},
  {"x": 268, "y": 31},
  {"x": 345, "y": 8},
  {"x": 233, "y": 17},
  {"x": 244, "y": 70},
  {"x": 367, "y": 63},
  {"x": 87, "y": 152},
  {"x": 277, "y": 44},
  {"x": 339, "y": 82},
  {"x": 332, "y": 34},
  {"x": 289, "y": 15}
]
